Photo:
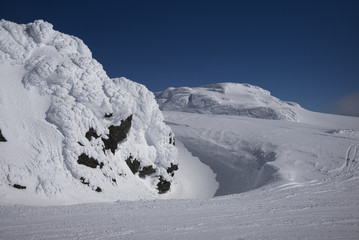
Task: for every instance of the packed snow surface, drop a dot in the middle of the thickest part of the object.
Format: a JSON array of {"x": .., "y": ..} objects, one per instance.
[{"x": 228, "y": 99}]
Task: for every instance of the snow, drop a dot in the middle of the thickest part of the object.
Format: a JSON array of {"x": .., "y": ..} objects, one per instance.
[
  {"x": 53, "y": 92},
  {"x": 250, "y": 165},
  {"x": 312, "y": 194},
  {"x": 315, "y": 210},
  {"x": 227, "y": 99},
  {"x": 194, "y": 179},
  {"x": 248, "y": 153}
]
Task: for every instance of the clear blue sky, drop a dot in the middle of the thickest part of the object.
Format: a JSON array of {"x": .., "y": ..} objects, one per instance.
[{"x": 302, "y": 51}]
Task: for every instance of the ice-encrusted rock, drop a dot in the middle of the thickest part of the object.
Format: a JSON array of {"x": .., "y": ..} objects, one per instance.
[
  {"x": 229, "y": 99},
  {"x": 57, "y": 95}
]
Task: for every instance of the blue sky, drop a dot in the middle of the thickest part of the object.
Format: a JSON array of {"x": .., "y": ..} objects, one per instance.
[{"x": 302, "y": 51}]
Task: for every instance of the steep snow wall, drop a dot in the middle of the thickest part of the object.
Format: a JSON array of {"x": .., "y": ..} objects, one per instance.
[
  {"x": 72, "y": 133},
  {"x": 227, "y": 99}
]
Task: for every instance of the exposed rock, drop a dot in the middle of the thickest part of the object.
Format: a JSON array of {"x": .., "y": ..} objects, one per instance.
[
  {"x": 172, "y": 168},
  {"x": 83, "y": 181},
  {"x": 113, "y": 180},
  {"x": 91, "y": 133},
  {"x": 19, "y": 186},
  {"x": 117, "y": 134},
  {"x": 163, "y": 185},
  {"x": 80, "y": 144},
  {"x": 133, "y": 165},
  {"x": 146, "y": 171},
  {"x": 88, "y": 161},
  {"x": 108, "y": 115},
  {"x": 2, "y": 139},
  {"x": 172, "y": 139},
  {"x": 98, "y": 189}
]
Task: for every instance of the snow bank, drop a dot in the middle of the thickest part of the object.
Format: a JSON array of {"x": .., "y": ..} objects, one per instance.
[
  {"x": 227, "y": 99},
  {"x": 72, "y": 133},
  {"x": 248, "y": 153}
]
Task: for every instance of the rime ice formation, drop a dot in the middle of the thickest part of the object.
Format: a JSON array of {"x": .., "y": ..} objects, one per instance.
[
  {"x": 71, "y": 132},
  {"x": 227, "y": 99}
]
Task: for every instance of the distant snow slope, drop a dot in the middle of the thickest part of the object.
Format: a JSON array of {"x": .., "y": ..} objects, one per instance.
[
  {"x": 228, "y": 99},
  {"x": 248, "y": 153},
  {"x": 72, "y": 133}
]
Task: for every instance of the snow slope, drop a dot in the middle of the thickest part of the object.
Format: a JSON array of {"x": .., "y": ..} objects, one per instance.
[
  {"x": 309, "y": 191},
  {"x": 228, "y": 99},
  {"x": 73, "y": 134},
  {"x": 248, "y": 153}
]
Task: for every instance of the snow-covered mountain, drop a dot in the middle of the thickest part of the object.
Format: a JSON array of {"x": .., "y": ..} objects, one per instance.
[
  {"x": 251, "y": 139},
  {"x": 70, "y": 133},
  {"x": 227, "y": 99}
]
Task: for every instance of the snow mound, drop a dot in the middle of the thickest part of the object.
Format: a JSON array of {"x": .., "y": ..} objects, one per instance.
[
  {"x": 227, "y": 99},
  {"x": 72, "y": 134}
]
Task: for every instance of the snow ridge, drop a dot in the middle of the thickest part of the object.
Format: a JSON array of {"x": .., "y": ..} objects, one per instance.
[
  {"x": 65, "y": 111},
  {"x": 227, "y": 99}
]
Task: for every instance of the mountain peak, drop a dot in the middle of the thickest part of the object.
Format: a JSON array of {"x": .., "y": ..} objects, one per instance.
[{"x": 228, "y": 99}]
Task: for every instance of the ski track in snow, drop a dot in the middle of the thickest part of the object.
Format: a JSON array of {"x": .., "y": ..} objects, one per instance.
[{"x": 351, "y": 154}]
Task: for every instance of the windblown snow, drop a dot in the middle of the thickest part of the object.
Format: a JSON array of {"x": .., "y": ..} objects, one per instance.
[
  {"x": 245, "y": 164},
  {"x": 72, "y": 133}
]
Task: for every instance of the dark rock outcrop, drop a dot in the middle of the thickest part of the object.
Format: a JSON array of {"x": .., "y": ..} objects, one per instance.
[
  {"x": 2, "y": 139},
  {"x": 133, "y": 165},
  {"x": 117, "y": 134},
  {"x": 172, "y": 168},
  {"x": 98, "y": 189},
  {"x": 146, "y": 171},
  {"x": 163, "y": 185},
  {"x": 91, "y": 133},
  {"x": 83, "y": 181},
  {"x": 88, "y": 161},
  {"x": 172, "y": 140},
  {"x": 108, "y": 115},
  {"x": 19, "y": 186}
]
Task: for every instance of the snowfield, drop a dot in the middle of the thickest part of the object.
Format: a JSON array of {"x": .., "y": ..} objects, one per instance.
[
  {"x": 315, "y": 210},
  {"x": 250, "y": 166}
]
